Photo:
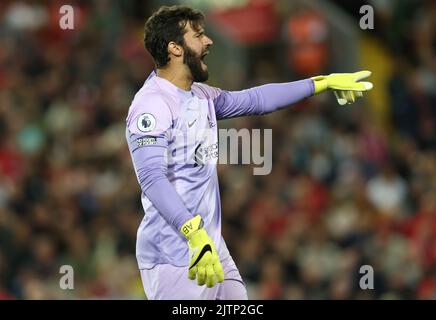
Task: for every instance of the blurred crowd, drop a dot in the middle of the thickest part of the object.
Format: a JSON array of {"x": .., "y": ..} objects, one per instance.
[
  {"x": 343, "y": 193},
  {"x": 68, "y": 194}
]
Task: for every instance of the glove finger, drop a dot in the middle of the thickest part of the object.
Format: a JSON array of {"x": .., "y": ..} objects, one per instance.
[
  {"x": 201, "y": 275},
  {"x": 353, "y": 86},
  {"x": 357, "y": 94},
  {"x": 339, "y": 97},
  {"x": 210, "y": 276},
  {"x": 192, "y": 273},
  {"x": 367, "y": 85},
  {"x": 361, "y": 75},
  {"x": 350, "y": 96},
  {"x": 219, "y": 271}
]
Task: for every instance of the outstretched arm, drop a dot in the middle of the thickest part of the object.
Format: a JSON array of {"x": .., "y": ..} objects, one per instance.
[
  {"x": 347, "y": 87},
  {"x": 261, "y": 100}
]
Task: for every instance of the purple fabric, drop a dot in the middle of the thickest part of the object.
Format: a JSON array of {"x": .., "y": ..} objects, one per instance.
[
  {"x": 172, "y": 191},
  {"x": 151, "y": 167},
  {"x": 261, "y": 100}
]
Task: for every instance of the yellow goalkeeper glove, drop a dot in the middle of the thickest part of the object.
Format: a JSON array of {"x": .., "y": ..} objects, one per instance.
[
  {"x": 204, "y": 263},
  {"x": 347, "y": 87}
]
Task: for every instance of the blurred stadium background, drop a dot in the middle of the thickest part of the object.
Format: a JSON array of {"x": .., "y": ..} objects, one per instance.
[{"x": 350, "y": 186}]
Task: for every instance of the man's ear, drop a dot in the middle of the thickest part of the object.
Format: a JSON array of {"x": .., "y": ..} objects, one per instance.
[{"x": 175, "y": 49}]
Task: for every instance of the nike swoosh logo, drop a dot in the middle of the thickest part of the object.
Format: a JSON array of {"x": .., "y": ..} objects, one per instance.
[
  {"x": 206, "y": 248},
  {"x": 192, "y": 123}
]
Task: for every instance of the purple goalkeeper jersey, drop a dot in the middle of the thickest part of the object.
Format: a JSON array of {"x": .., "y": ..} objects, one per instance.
[{"x": 173, "y": 141}]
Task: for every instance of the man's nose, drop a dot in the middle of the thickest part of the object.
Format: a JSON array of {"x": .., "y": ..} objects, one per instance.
[{"x": 208, "y": 41}]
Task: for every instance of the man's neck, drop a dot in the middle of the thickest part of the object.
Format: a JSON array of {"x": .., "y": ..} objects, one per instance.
[{"x": 177, "y": 77}]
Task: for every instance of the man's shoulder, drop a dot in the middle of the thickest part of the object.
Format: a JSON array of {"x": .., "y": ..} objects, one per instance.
[
  {"x": 150, "y": 94},
  {"x": 150, "y": 102},
  {"x": 205, "y": 91}
]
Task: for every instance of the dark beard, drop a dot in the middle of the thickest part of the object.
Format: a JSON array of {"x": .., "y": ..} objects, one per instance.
[{"x": 193, "y": 61}]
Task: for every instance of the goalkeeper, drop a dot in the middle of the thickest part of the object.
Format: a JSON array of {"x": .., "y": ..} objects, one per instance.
[{"x": 180, "y": 251}]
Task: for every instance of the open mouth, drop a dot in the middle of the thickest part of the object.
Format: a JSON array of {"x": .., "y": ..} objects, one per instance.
[{"x": 204, "y": 55}]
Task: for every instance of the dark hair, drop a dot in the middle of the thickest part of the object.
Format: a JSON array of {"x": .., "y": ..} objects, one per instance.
[{"x": 166, "y": 25}]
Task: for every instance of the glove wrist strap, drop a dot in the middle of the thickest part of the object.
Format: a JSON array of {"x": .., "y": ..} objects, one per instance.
[
  {"x": 191, "y": 226},
  {"x": 320, "y": 84}
]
